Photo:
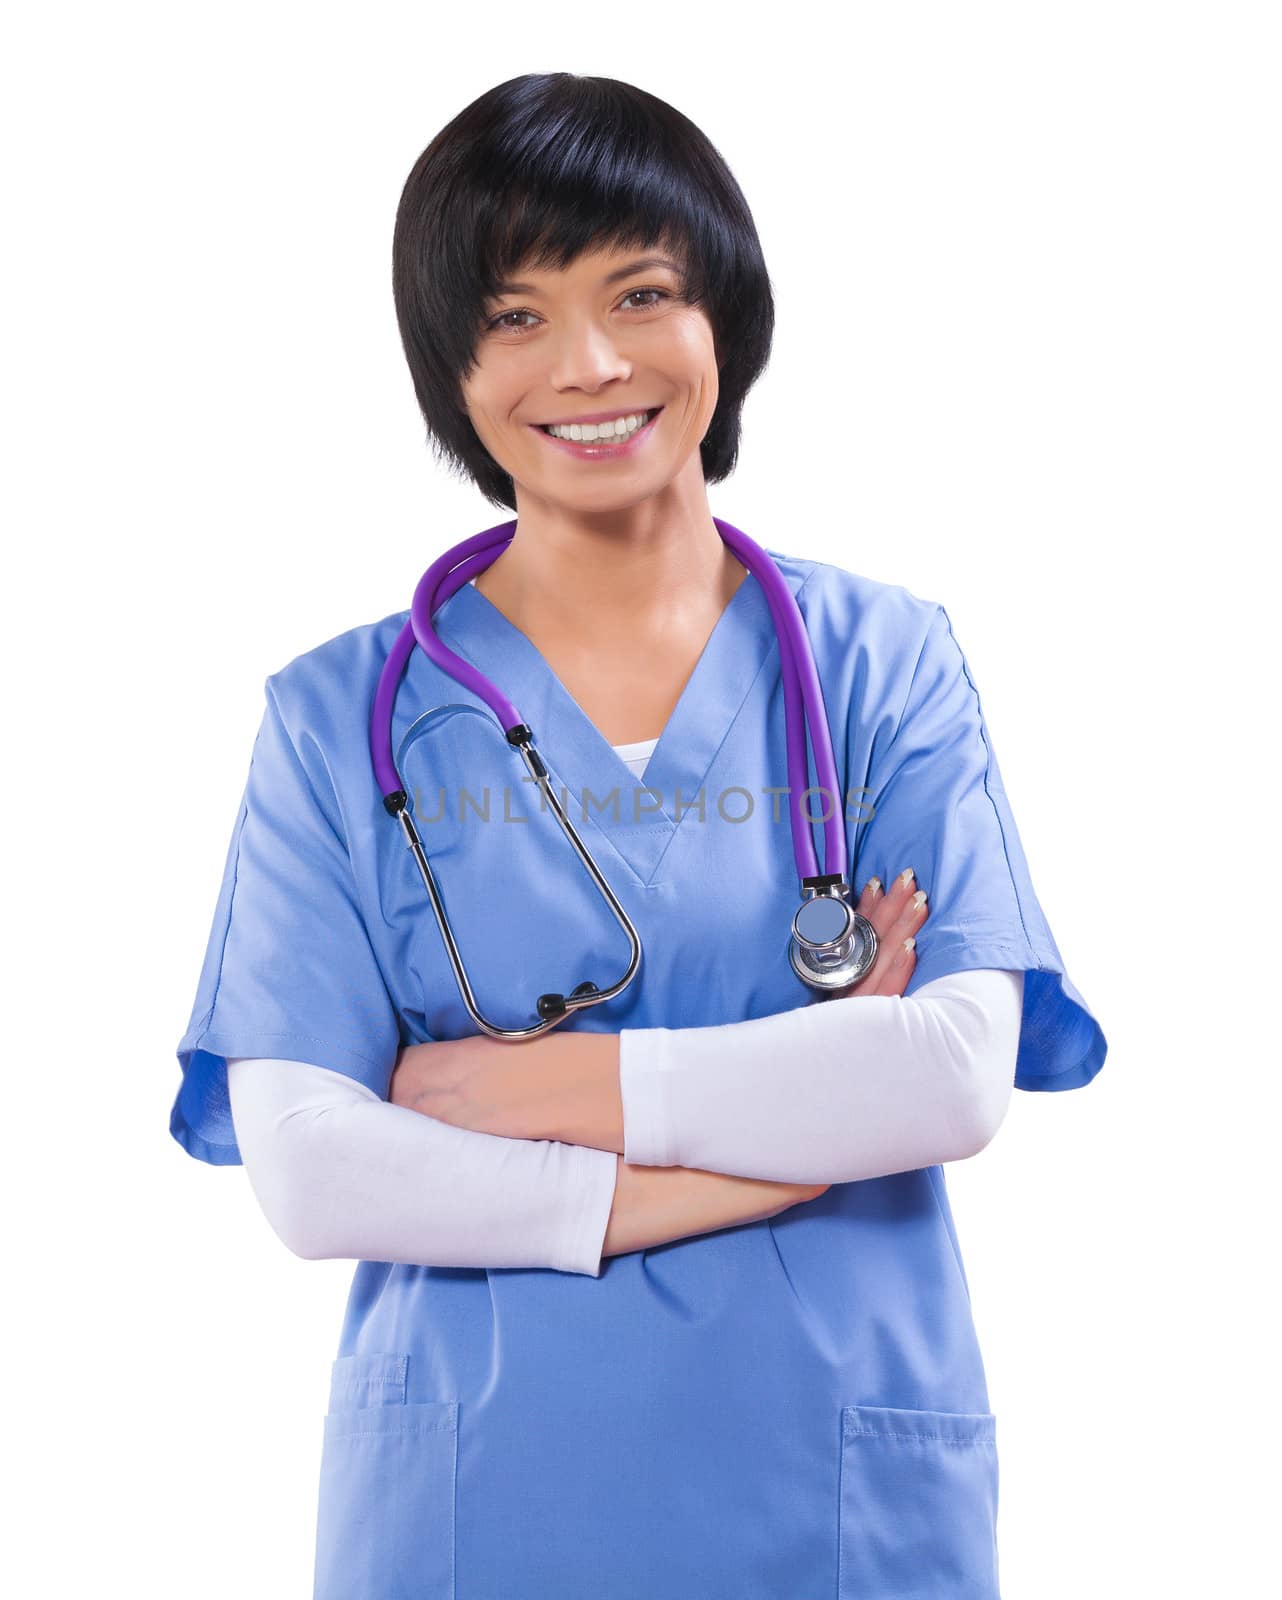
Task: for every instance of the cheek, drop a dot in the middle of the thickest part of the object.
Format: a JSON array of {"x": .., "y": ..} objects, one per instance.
[
  {"x": 699, "y": 359},
  {"x": 488, "y": 401},
  {"x": 696, "y": 334}
]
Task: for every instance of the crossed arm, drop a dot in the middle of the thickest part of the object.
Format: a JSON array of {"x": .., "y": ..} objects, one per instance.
[
  {"x": 576, "y": 1087},
  {"x": 516, "y": 1160},
  {"x": 819, "y": 1095}
]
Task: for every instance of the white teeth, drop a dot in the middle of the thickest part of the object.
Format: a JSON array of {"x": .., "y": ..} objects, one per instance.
[{"x": 586, "y": 432}]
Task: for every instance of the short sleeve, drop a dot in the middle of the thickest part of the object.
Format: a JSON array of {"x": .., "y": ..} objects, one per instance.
[
  {"x": 937, "y": 804},
  {"x": 289, "y": 971}
]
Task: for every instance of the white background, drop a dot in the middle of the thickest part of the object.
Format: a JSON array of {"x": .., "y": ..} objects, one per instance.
[{"x": 1026, "y": 364}]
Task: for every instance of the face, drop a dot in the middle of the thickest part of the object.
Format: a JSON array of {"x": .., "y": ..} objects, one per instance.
[{"x": 609, "y": 337}]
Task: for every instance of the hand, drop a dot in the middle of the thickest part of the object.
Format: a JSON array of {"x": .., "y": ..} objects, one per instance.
[
  {"x": 896, "y": 917},
  {"x": 465, "y": 1082}
]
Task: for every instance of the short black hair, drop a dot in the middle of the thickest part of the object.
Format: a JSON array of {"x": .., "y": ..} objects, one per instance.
[{"x": 537, "y": 171}]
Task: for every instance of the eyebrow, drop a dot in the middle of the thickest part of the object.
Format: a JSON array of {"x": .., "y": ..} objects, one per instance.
[{"x": 642, "y": 264}]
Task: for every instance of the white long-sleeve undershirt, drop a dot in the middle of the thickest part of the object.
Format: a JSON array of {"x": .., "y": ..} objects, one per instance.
[
  {"x": 340, "y": 1173},
  {"x": 831, "y": 1092},
  {"x": 826, "y": 1093}
]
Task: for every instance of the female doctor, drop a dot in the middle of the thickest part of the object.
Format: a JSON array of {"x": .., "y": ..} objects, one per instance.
[{"x": 667, "y": 1300}]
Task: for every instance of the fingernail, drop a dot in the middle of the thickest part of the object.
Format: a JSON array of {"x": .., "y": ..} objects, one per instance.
[
  {"x": 919, "y": 900},
  {"x": 910, "y": 944},
  {"x": 874, "y": 884},
  {"x": 906, "y": 876}
]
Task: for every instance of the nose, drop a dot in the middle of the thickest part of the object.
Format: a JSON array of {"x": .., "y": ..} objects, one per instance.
[{"x": 587, "y": 358}]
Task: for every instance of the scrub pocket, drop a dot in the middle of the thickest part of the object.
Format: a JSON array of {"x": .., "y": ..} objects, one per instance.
[
  {"x": 385, "y": 1521},
  {"x": 918, "y": 1505}
]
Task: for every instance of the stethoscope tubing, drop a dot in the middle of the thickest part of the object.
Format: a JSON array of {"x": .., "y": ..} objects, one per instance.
[{"x": 804, "y": 709}]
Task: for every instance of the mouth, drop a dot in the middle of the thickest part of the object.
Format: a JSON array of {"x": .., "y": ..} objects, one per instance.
[{"x": 621, "y": 444}]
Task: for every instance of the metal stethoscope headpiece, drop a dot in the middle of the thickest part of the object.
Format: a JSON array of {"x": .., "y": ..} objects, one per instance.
[{"x": 831, "y": 945}]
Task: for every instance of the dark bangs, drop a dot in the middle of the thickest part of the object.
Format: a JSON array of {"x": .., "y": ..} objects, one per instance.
[{"x": 534, "y": 173}]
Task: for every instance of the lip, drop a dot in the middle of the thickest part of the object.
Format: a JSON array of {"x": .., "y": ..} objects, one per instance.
[
  {"x": 595, "y": 450},
  {"x": 596, "y": 416}
]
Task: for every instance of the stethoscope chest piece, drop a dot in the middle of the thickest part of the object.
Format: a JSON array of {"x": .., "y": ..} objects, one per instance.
[{"x": 832, "y": 945}]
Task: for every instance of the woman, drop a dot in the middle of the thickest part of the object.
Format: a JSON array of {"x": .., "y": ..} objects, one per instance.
[{"x": 666, "y": 1301}]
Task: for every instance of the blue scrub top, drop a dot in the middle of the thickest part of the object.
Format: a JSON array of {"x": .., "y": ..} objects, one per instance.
[{"x": 795, "y": 1406}]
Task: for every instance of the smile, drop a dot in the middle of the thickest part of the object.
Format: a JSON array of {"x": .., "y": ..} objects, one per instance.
[{"x": 606, "y": 440}]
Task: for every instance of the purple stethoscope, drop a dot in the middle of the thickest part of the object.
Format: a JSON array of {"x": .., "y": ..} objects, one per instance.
[{"x": 832, "y": 945}]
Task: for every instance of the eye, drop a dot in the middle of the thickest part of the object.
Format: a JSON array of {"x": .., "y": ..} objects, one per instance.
[
  {"x": 502, "y": 325},
  {"x": 497, "y": 322}
]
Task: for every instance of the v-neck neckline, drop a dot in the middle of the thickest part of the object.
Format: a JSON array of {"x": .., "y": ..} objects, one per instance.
[{"x": 585, "y": 767}]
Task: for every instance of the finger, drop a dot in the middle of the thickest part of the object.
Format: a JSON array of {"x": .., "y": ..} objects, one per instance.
[
  {"x": 902, "y": 944},
  {"x": 889, "y": 904},
  {"x": 879, "y": 908},
  {"x": 899, "y": 916},
  {"x": 904, "y": 965},
  {"x": 912, "y": 914},
  {"x": 895, "y": 963}
]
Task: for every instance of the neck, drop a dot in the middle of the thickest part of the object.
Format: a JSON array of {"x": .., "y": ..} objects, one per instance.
[{"x": 614, "y": 577}]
